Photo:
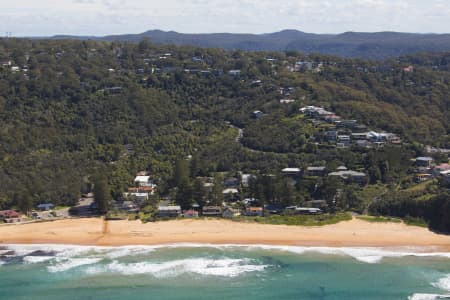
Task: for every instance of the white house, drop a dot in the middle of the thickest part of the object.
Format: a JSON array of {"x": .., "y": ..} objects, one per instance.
[{"x": 143, "y": 180}]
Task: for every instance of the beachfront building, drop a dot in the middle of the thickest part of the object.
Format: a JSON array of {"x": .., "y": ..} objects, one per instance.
[
  {"x": 169, "y": 211},
  {"x": 295, "y": 210},
  {"x": 9, "y": 216},
  {"x": 254, "y": 212},
  {"x": 229, "y": 212},
  {"x": 190, "y": 213},
  {"x": 212, "y": 211}
]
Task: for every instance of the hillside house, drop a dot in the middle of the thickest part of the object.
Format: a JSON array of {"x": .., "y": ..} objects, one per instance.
[
  {"x": 142, "y": 180},
  {"x": 234, "y": 72},
  {"x": 421, "y": 177},
  {"x": 291, "y": 172},
  {"x": 437, "y": 170},
  {"x": 257, "y": 114},
  {"x": 231, "y": 182},
  {"x": 350, "y": 176},
  {"x": 424, "y": 161},
  {"x": 316, "y": 171},
  {"x": 246, "y": 178},
  {"x": 445, "y": 175}
]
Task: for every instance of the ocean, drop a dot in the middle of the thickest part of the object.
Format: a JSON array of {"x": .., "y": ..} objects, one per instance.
[{"x": 200, "y": 271}]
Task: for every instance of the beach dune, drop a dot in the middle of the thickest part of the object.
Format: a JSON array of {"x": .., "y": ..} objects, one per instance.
[{"x": 96, "y": 231}]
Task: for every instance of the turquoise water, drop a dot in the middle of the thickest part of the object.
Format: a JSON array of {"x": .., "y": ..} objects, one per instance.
[{"x": 220, "y": 272}]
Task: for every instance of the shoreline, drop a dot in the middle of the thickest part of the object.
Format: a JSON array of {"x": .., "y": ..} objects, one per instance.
[{"x": 97, "y": 232}]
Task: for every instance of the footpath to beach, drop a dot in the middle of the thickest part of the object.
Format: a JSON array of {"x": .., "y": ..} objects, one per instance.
[{"x": 96, "y": 231}]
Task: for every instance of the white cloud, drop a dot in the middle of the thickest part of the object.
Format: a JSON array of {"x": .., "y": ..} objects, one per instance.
[{"x": 47, "y": 17}]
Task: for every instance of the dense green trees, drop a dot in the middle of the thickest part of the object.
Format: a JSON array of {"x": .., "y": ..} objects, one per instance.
[
  {"x": 85, "y": 107},
  {"x": 102, "y": 194}
]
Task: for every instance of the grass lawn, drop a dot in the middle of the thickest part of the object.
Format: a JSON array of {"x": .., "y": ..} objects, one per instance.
[
  {"x": 379, "y": 219},
  {"x": 298, "y": 220}
]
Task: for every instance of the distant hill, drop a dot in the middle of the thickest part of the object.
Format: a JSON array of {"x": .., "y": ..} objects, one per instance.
[{"x": 350, "y": 44}]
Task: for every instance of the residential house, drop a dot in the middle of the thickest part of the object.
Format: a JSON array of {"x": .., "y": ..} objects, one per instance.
[
  {"x": 212, "y": 211},
  {"x": 231, "y": 182},
  {"x": 8, "y": 215},
  {"x": 231, "y": 194},
  {"x": 273, "y": 209},
  {"x": 291, "y": 172},
  {"x": 169, "y": 211},
  {"x": 420, "y": 177},
  {"x": 316, "y": 171},
  {"x": 249, "y": 201},
  {"x": 346, "y": 123},
  {"x": 257, "y": 114},
  {"x": 424, "y": 161},
  {"x": 129, "y": 206},
  {"x": 142, "y": 180},
  {"x": 359, "y": 136},
  {"x": 437, "y": 170},
  {"x": 408, "y": 69},
  {"x": 234, "y": 72},
  {"x": 350, "y": 176},
  {"x": 445, "y": 175},
  {"x": 317, "y": 204},
  {"x": 331, "y": 136},
  {"x": 246, "y": 178},
  {"x": 45, "y": 206},
  {"x": 344, "y": 140},
  {"x": 229, "y": 212},
  {"x": 254, "y": 212},
  {"x": 190, "y": 213},
  {"x": 137, "y": 197},
  {"x": 303, "y": 210},
  {"x": 308, "y": 210},
  {"x": 142, "y": 189}
]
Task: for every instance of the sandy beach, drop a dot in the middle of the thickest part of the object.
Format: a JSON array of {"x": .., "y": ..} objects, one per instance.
[{"x": 96, "y": 231}]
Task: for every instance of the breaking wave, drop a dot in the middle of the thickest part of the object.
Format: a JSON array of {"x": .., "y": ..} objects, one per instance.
[
  {"x": 71, "y": 263},
  {"x": 225, "y": 267},
  {"x": 443, "y": 283},
  {"x": 428, "y": 297},
  {"x": 363, "y": 254}
]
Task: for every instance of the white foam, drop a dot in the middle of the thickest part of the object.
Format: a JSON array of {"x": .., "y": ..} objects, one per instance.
[
  {"x": 36, "y": 259},
  {"x": 67, "y": 264},
  {"x": 443, "y": 283},
  {"x": 428, "y": 297},
  {"x": 367, "y": 254},
  {"x": 225, "y": 267},
  {"x": 363, "y": 254}
]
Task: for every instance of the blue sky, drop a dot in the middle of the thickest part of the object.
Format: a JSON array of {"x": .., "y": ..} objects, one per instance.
[{"x": 101, "y": 17}]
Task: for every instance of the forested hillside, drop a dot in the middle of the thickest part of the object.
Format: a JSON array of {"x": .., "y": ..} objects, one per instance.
[
  {"x": 377, "y": 45},
  {"x": 73, "y": 109}
]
